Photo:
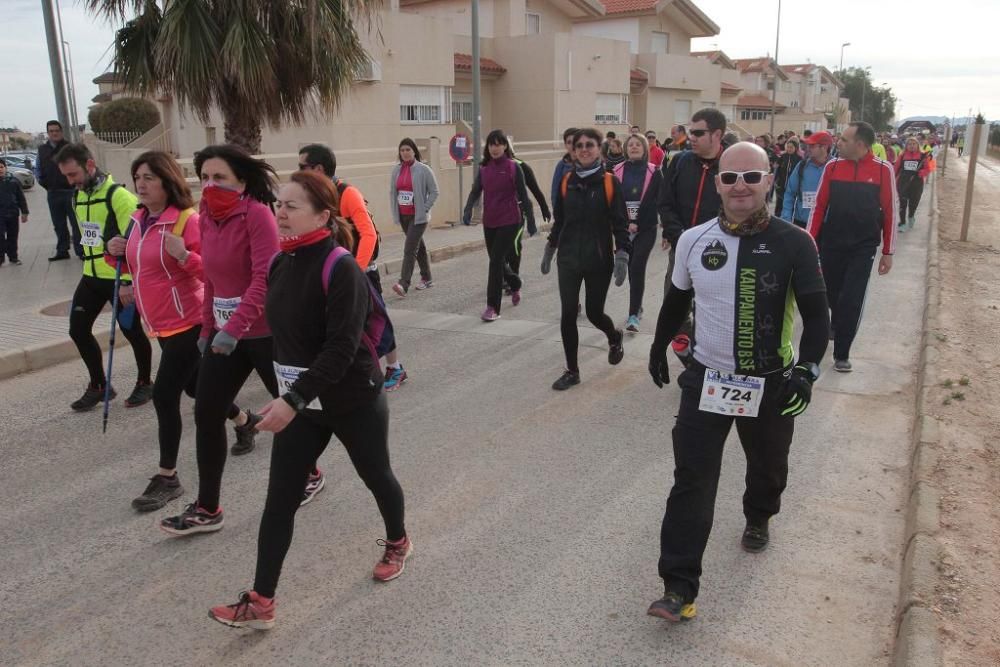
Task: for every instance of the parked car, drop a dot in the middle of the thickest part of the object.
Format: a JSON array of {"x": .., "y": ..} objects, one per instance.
[{"x": 17, "y": 166}]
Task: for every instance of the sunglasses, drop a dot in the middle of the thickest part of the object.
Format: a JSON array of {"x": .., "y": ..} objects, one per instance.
[
  {"x": 698, "y": 133},
  {"x": 585, "y": 144},
  {"x": 749, "y": 177}
]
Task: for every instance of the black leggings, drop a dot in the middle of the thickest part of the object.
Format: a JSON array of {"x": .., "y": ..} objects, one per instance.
[
  {"x": 219, "y": 381},
  {"x": 89, "y": 299},
  {"x": 642, "y": 246},
  {"x": 596, "y": 284},
  {"x": 698, "y": 441},
  {"x": 500, "y": 242},
  {"x": 514, "y": 256},
  {"x": 365, "y": 434},
  {"x": 909, "y": 198}
]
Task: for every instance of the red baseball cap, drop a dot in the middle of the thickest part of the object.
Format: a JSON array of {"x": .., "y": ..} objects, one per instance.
[{"x": 822, "y": 138}]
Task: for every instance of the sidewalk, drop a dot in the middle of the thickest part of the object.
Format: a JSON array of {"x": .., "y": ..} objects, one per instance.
[{"x": 30, "y": 340}]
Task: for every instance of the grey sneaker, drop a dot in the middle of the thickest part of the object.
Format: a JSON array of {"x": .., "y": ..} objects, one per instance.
[
  {"x": 161, "y": 490},
  {"x": 842, "y": 366},
  {"x": 245, "y": 435}
]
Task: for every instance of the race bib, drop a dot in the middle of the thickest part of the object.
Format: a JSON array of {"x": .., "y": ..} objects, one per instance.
[
  {"x": 809, "y": 199},
  {"x": 632, "y": 207},
  {"x": 90, "y": 234},
  {"x": 287, "y": 375},
  {"x": 224, "y": 309},
  {"x": 404, "y": 198},
  {"x": 728, "y": 394},
  {"x": 910, "y": 165}
]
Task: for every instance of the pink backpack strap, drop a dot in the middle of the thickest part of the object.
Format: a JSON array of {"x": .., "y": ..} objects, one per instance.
[
  {"x": 335, "y": 256},
  {"x": 649, "y": 176},
  {"x": 619, "y": 171}
]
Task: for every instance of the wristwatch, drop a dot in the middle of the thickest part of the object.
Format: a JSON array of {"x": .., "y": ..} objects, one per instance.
[
  {"x": 294, "y": 399},
  {"x": 811, "y": 368}
]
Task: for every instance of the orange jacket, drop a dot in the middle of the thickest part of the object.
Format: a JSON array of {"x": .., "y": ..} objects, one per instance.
[{"x": 353, "y": 209}]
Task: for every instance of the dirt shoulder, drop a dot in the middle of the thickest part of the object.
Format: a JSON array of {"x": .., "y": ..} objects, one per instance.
[{"x": 963, "y": 400}]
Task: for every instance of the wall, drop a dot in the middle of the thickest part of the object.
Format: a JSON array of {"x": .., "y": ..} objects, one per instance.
[
  {"x": 457, "y": 14},
  {"x": 679, "y": 41},
  {"x": 552, "y": 20},
  {"x": 625, "y": 30}
]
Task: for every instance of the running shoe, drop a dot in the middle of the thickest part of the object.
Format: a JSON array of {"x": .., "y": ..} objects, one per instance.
[
  {"x": 193, "y": 520},
  {"x": 399, "y": 289},
  {"x": 246, "y": 434},
  {"x": 673, "y": 608},
  {"x": 15, "y": 262},
  {"x": 424, "y": 284},
  {"x": 160, "y": 491},
  {"x": 141, "y": 394},
  {"x": 93, "y": 396},
  {"x": 393, "y": 560},
  {"x": 901, "y": 228},
  {"x": 251, "y": 611},
  {"x": 632, "y": 324},
  {"x": 912, "y": 220},
  {"x": 566, "y": 380},
  {"x": 842, "y": 366},
  {"x": 616, "y": 351},
  {"x": 394, "y": 378},
  {"x": 515, "y": 297},
  {"x": 490, "y": 315},
  {"x": 314, "y": 485},
  {"x": 755, "y": 538}
]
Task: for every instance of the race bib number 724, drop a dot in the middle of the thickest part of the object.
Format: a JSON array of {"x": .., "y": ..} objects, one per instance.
[{"x": 735, "y": 395}]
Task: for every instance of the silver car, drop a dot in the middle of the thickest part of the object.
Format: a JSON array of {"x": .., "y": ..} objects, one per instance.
[{"x": 17, "y": 167}]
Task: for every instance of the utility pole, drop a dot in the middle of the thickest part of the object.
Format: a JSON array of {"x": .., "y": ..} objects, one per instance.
[
  {"x": 477, "y": 119},
  {"x": 54, "y": 41},
  {"x": 71, "y": 85},
  {"x": 774, "y": 88},
  {"x": 842, "y": 55},
  {"x": 977, "y": 133}
]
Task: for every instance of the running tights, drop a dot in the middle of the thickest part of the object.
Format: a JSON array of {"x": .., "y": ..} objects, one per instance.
[
  {"x": 642, "y": 246},
  {"x": 596, "y": 284},
  {"x": 909, "y": 199},
  {"x": 90, "y": 297},
  {"x": 219, "y": 381},
  {"x": 365, "y": 434},
  {"x": 499, "y": 243}
]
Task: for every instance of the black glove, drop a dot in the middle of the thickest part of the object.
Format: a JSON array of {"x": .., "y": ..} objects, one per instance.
[
  {"x": 658, "y": 368},
  {"x": 621, "y": 267},
  {"x": 547, "y": 255},
  {"x": 532, "y": 227},
  {"x": 796, "y": 392}
]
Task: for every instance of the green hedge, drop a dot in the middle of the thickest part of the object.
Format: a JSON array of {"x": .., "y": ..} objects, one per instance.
[{"x": 128, "y": 114}]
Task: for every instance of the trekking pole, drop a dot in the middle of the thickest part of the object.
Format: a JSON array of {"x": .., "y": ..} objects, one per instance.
[{"x": 111, "y": 343}]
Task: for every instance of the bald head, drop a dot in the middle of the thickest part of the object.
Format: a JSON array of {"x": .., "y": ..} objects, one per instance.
[{"x": 744, "y": 156}]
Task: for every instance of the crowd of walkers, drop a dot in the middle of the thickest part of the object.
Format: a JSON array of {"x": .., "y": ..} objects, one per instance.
[{"x": 283, "y": 281}]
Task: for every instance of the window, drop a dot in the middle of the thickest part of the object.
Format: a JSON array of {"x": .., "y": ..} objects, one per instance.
[
  {"x": 754, "y": 114},
  {"x": 422, "y": 104},
  {"x": 661, "y": 42},
  {"x": 461, "y": 107},
  {"x": 682, "y": 111},
  {"x": 706, "y": 105},
  {"x": 794, "y": 104},
  {"x": 210, "y": 136},
  {"x": 612, "y": 109},
  {"x": 532, "y": 23}
]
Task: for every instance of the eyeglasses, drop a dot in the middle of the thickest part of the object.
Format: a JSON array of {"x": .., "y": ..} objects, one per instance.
[
  {"x": 585, "y": 144},
  {"x": 698, "y": 133},
  {"x": 749, "y": 177}
]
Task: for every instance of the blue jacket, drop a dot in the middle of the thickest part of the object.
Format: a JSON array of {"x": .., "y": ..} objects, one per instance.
[
  {"x": 561, "y": 168},
  {"x": 796, "y": 192}
]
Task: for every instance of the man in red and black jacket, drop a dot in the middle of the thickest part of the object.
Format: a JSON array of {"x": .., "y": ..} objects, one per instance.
[{"x": 856, "y": 210}]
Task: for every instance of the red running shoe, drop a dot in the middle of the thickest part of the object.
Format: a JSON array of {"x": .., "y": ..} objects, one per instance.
[
  {"x": 393, "y": 560},
  {"x": 251, "y": 611}
]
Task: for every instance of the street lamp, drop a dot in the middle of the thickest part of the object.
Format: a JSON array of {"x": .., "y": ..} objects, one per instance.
[
  {"x": 774, "y": 88},
  {"x": 70, "y": 84},
  {"x": 842, "y": 55}
]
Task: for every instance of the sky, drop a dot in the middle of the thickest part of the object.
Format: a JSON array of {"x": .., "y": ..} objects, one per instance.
[{"x": 938, "y": 62}]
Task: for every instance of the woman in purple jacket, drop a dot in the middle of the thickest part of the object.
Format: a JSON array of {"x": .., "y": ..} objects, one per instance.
[
  {"x": 239, "y": 236},
  {"x": 505, "y": 198}
]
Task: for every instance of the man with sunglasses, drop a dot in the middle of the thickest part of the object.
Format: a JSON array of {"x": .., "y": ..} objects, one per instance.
[
  {"x": 856, "y": 212},
  {"x": 739, "y": 268}
]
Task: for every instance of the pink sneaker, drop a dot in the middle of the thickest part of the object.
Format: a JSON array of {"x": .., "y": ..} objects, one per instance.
[
  {"x": 490, "y": 315},
  {"x": 399, "y": 289},
  {"x": 393, "y": 560},
  {"x": 251, "y": 611},
  {"x": 515, "y": 297}
]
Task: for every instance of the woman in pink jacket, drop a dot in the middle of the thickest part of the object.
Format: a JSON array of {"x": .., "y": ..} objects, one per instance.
[{"x": 162, "y": 249}]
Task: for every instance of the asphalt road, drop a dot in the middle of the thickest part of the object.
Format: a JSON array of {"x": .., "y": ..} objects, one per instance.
[{"x": 535, "y": 515}]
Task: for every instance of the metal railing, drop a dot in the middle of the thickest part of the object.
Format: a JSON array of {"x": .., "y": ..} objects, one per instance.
[{"x": 120, "y": 138}]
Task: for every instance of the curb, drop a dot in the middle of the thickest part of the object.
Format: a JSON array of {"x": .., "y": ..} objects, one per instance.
[
  {"x": 917, "y": 643},
  {"x": 43, "y": 355}
]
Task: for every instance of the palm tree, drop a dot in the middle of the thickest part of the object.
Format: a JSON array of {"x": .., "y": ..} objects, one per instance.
[{"x": 258, "y": 61}]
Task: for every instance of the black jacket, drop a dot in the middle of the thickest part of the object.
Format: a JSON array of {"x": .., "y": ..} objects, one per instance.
[
  {"x": 49, "y": 176},
  {"x": 586, "y": 230},
  {"x": 786, "y": 163},
  {"x": 12, "y": 199},
  {"x": 532, "y": 183},
  {"x": 322, "y": 332},
  {"x": 679, "y": 205},
  {"x": 648, "y": 216}
]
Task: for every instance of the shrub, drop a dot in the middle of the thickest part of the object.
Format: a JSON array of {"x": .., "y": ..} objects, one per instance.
[{"x": 128, "y": 114}]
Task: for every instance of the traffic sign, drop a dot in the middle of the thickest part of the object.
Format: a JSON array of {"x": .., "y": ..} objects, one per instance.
[{"x": 459, "y": 148}]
